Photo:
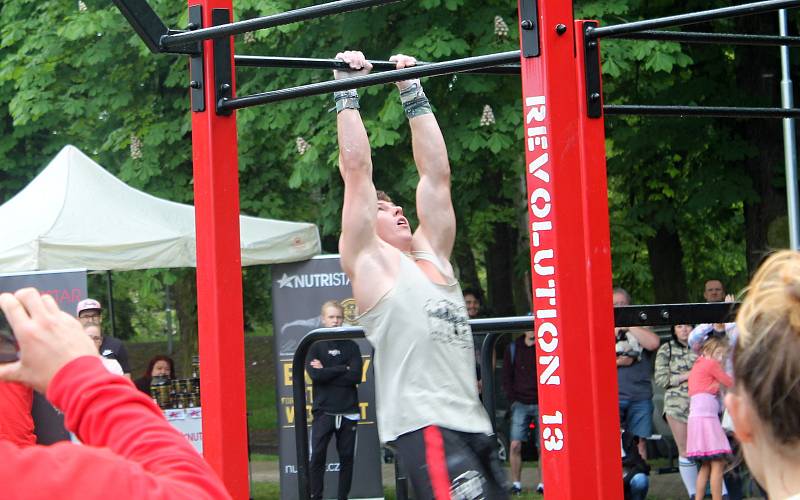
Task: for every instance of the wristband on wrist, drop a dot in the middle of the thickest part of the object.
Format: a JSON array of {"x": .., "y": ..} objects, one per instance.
[
  {"x": 346, "y": 99},
  {"x": 415, "y": 102}
]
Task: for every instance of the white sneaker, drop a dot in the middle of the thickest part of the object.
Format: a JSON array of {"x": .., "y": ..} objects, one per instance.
[{"x": 540, "y": 488}]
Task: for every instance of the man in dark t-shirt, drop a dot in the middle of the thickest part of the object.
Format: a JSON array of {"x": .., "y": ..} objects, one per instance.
[{"x": 90, "y": 312}]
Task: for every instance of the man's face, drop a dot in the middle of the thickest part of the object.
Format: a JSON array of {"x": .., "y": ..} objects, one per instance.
[
  {"x": 392, "y": 227},
  {"x": 714, "y": 291},
  {"x": 332, "y": 317},
  {"x": 473, "y": 305},
  {"x": 94, "y": 333},
  {"x": 90, "y": 317},
  {"x": 620, "y": 299}
]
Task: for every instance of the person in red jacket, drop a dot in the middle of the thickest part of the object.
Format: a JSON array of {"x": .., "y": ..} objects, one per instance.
[{"x": 129, "y": 450}]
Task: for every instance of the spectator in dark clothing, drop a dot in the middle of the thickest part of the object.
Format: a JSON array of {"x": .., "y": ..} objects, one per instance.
[
  {"x": 519, "y": 384},
  {"x": 158, "y": 366},
  {"x": 635, "y": 470},
  {"x": 335, "y": 370},
  {"x": 634, "y": 348},
  {"x": 90, "y": 312}
]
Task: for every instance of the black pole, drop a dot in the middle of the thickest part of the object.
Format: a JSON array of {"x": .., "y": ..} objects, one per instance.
[
  {"x": 432, "y": 69},
  {"x": 288, "y": 17},
  {"x": 110, "y": 293},
  {"x": 299, "y": 395},
  {"x": 715, "y": 38},
  {"x": 706, "y": 111},
  {"x": 692, "y": 17},
  {"x": 487, "y": 375},
  {"x": 314, "y": 63}
]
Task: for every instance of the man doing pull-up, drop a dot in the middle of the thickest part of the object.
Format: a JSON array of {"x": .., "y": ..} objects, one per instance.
[{"x": 413, "y": 309}]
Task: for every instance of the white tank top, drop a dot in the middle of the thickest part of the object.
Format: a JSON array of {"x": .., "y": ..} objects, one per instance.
[{"x": 424, "y": 357}]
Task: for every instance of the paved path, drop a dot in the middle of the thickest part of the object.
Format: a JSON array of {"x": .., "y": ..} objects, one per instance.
[{"x": 662, "y": 486}]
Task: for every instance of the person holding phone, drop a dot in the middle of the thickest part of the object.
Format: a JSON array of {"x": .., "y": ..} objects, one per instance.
[
  {"x": 16, "y": 400},
  {"x": 129, "y": 448}
]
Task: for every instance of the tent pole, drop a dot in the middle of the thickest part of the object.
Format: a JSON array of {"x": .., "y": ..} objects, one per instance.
[{"x": 110, "y": 295}]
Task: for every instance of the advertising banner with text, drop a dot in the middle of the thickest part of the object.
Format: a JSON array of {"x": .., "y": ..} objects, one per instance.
[{"x": 298, "y": 291}]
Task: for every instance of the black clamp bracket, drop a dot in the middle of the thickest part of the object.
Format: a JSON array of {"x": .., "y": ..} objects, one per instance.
[
  {"x": 529, "y": 28},
  {"x": 223, "y": 70},
  {"x": 197, "y": 83},
  {"x": 591, "y": 58}
]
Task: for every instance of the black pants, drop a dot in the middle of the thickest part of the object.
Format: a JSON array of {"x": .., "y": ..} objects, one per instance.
[
  {"x": 323, "y": 428},
  {"x": 444, "y": 464}
]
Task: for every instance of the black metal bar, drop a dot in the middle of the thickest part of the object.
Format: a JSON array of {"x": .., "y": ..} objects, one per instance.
[
  {"x": 708, "y": 111},
  {"x": 197, "y": 84},
  {"x": 299, "y": 395},
  {"x": 675, "y": 314},
  {"x": 529, "y": 27},
  {"x": 636, "y": 315},
  {"x": 591, "y": 61},
  {"x": 432, "y": 69},
  {"x": 716, "y": 38},
  {"x": 315, "y": 63},
  {"x": 487, "y": 375},
  {"x": 144, "y": 21},
  {"x": 692, "y": 17},
  {"x": 288, "y": 17},
  {"x": 223, "y": 72}
]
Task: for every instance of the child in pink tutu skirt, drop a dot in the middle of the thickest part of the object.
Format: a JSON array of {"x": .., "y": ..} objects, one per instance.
[{"x": 706, "y": 442}]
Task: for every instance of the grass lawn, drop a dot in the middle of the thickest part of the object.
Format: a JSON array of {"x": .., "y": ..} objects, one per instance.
[{"x": 261, "y": 405}]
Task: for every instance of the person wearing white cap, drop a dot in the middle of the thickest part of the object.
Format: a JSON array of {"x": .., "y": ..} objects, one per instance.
[{"x": 90, "y": 312}]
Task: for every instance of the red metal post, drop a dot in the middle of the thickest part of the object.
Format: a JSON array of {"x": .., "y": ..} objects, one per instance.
[
  {"x": 570, "y": 265},
  {"x": 219, "y": 279}
]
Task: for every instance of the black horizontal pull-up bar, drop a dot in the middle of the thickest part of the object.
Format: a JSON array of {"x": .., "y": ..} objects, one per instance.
[
  {"x": 707, "y": 111},
  {"x": 292, "y": 16},
  {"x": 432, "y": 69},
  {"x": 691, "y": 18},
  {"x": 314, "y": 63},
  {"x": 717, "y": 38}
]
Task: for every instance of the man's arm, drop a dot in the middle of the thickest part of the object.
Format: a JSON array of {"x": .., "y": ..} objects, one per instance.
[
  {"x": 437, "y": 222},
  {"x": 133, "y": 451},
  {"x": 355, "y": 165},
  {"x": 647, "y": 339},
  {"x": 352, "y": 372}
]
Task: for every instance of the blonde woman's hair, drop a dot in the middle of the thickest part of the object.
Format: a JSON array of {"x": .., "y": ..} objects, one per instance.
[{"x": 767, "y": 354}]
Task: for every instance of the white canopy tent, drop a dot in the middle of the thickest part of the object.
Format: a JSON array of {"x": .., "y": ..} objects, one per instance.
[{"x": 75, "y": 214}]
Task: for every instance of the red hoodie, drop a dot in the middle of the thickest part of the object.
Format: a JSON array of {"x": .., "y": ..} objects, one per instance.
[
  {"x": 129, "y": 450},
  {"x": 16, "y": 422}
]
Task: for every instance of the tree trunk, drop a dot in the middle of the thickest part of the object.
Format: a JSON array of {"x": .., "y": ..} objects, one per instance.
[
  {"x": 185, "y": 294},
  {"x": 758, "y": 74},
  {"x": 499, "y": 269},
  {"x": 666, "y": 265},
  {"x": 465, "y": 260}
]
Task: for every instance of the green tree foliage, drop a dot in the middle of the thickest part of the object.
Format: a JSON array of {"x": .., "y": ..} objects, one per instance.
[{"x": 75, "y": 72}]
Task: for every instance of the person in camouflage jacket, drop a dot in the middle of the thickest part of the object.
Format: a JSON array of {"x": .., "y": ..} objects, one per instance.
[{"x": 674, "y": 360}]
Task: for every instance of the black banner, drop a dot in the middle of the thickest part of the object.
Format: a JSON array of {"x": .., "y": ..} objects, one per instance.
[
  {"x": 298, "y": 292},
  {"x": 67, "y": 288}
]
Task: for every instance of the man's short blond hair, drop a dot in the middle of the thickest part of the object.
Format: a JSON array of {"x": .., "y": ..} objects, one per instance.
[{"x": 331, "y": 303}]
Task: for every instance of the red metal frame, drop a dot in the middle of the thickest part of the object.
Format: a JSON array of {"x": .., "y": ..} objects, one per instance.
[
  {"x": 219, "y": 280},
  {"x": 570, "y": 267},
  {"x": 570, "y": 263}
]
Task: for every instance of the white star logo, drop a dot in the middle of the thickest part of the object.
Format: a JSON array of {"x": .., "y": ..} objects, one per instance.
[{"x": 286, "y": 281}]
